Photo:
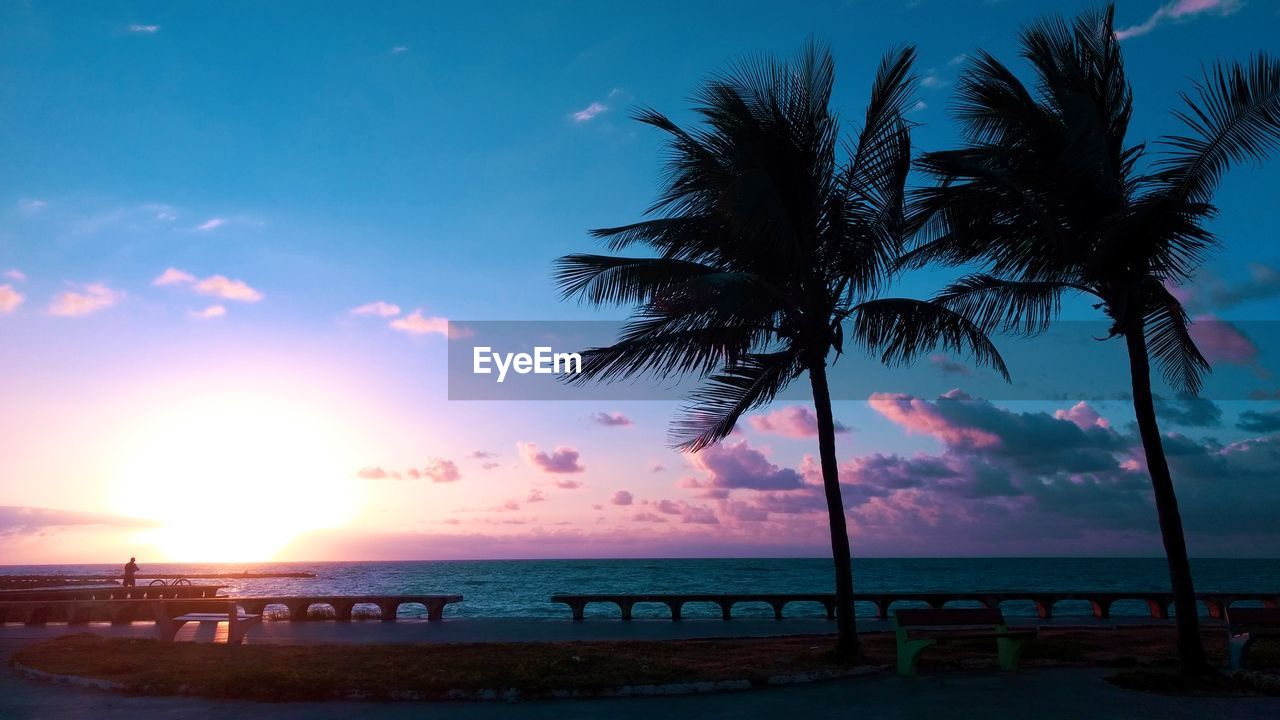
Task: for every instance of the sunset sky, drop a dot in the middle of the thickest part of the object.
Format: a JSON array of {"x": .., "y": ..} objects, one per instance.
[{"x": 231, "y": 235}]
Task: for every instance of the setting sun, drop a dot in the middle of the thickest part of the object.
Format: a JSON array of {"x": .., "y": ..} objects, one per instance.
[{"x": 235, "y": 479}]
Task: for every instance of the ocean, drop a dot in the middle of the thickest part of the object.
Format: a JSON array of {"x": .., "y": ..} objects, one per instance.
[{"x": 521, "y": 588}]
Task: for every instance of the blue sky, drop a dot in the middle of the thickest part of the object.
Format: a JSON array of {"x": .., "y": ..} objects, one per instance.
[{"x": 436, "y": 157}]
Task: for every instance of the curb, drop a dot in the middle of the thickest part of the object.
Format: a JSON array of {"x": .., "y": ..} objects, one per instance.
[{"x": 514, "y": 695}]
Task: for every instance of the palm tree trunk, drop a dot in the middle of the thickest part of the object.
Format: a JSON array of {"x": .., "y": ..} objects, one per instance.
[
  {"x": 1190, "y": 646},
  {"x": 847, "y": 639}
]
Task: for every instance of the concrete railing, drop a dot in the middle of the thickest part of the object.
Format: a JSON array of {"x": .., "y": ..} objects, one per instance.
[
  {"x": 1101, "y": 602},
  {"x": 116, "y": 592},
  {"x": 40, "y": 612}
]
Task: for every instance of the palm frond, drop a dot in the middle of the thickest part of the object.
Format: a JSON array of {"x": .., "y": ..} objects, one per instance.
[
  {"x": 1169, "y": 341},
  {"x": 1233, "y": 116},
  {"x": 714, "y": 409},
  {"x": 604, "y": 279},
  {"x": 899, "y": 331},
  {"x": 1009, "y": 306}
]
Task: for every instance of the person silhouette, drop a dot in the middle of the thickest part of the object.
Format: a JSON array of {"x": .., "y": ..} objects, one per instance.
[{"x": 130, "y": 570}]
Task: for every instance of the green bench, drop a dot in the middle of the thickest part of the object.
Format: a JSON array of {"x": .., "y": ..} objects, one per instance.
[
  {"x": 920, "y": 629},
  {"x": 1244, "y": 625}
]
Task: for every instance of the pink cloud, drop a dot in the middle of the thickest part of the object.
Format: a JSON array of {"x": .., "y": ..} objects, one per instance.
[
  {"x": 731, "y": 465},
  {"x": 10, "y": 299},
  {"x": 418, "y": 324},
  {"x": 442, "y": 471},
  {"x": 228, "y": 289},
  {"x": 209, "y": 313},
  {"x": 621, "y": 497},
  {"x": 567, "y": 484},
  {"x": 535, "y": 496},
  {"x": 88, "y": 300},
  {"x": 378, "y": 473},
  {"x": 563, "y": 461},
  {"x": 173, "y": 276},
  {"x": 15, "y": 275},
  {"x": 795, "y": 421},
  {"x": 1221, "y": 341},
  {"x": 379, "y": 308},
  {"x": 920, "y": 416},
  {"x": 1083, "y": 416},
  {"x": 1179, "y": 10}
]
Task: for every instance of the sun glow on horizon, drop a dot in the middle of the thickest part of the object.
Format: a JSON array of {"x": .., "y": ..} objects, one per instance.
[{"x": 235, "y": 478}]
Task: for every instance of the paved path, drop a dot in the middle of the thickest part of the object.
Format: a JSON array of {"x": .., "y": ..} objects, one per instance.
[{"x": 1047, "y": 694}]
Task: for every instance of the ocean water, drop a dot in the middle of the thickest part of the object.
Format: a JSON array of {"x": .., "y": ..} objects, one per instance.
[{"x": 522, "y": 588}]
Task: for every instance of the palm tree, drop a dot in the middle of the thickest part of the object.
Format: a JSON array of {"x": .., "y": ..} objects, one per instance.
[
  {"x": 1048, "y": 199},
  {"x": 764, "y": 242}
]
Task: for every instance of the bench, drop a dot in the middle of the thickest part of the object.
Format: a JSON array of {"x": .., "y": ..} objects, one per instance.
[
  {"x": 1244, "y": 625},
  {"x": 919, "y": 629},
  {"x": 171, "y": 615}
]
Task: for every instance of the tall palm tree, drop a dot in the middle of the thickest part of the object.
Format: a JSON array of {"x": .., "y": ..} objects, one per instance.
[
  {"x": 1047, "y": 198},
  {"x": 766, "y": 239}
]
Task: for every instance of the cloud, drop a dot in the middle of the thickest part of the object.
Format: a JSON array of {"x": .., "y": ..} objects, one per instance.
[
  {"x": 1221, "y": 341},
  {"x": 10, "y": 299},
  {"x": 536, "y": 496},
  {"x": 173, "y": 276},
  {"x": 1083, "y": 416},
  {"x": 795, "y": 421},
  {"x": 932, "y": 80},
  {"x": 731, "y": 465},
  {"x": 1211, "y": 292},
  {"x": 20, "y": 520},
  {"x": 399, "y": 49},
  {"x": 958, "y": 59},
  {"x": 378, "y": 308},
  {"x": 589, "y": 112},
  {"x": 621, "y": 497},
  {"x": 15, "y": 275},
  {"x": 419, "y": 324},
  {"x": 489, "y": 465},
  {"x": 442, "y": 471},
  {"x": 31, "y": 206},
  {"x": 88, "y": 300},
  {"x": 1260, "y": 422},
  {"x": 658, "y": 468},
  {"x": 920, "y": 105},
  {"x": 214, "y": 285},
  {"x": 144, "y": 29},
  {"x": 211, "y": 224},
  {"x": 228, "y": 289},
  {"x": 563, "y": 461},
  {"x": 920, "y": 416},
  {"x": 567, "y": 484},
  {"x": 209, "y": 313},
  {"x": 378, "y": 473},
  {"x": 482, "y": 454},
  {"x": 1179, "y": 10},
  {"x": 949, "y": 365},
  {"x": 1189, "y": 411},
  {"x": 610, "y": 419}
]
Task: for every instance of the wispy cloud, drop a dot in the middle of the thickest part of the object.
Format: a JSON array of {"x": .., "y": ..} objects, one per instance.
[
  {"x": 31, "y": 206},
  {"x": 209, "y": 313},
  {"x": 920, "y": 105},
  {"x": 379, "y": 308},
  {"x": 211, "y": 224},
  {"x": 589, "y": 112},
  {"x": 933, "y": 81},
  {"x": 958, "y": 60},
  {"x": 86, "y": 300},
  {"x": 1180, "y": 10},
  {"x": 399, "y": 49},
  {"x": 610, "y": 419},
  {"x": 416, "y": 323},
  {"x": 144, "y": 29},
  {"x": 214, "y": 285},
  {"x": 10, "y": 299},
  {"x": 15, "y": 274}
]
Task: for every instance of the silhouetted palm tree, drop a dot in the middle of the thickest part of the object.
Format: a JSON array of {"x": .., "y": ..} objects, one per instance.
[
  {"x": 767, "y": 241},
  {"x": 1047, "y": 198}
]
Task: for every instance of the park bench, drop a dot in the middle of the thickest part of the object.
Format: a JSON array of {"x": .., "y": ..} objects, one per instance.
[
  {"x": 171, "y": 615},
  {"x": 919, "y": 629},
  {"x": 1244, "y": 625}
]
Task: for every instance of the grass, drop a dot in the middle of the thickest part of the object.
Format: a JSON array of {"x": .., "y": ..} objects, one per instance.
[{"x": 321, "y": 672}]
